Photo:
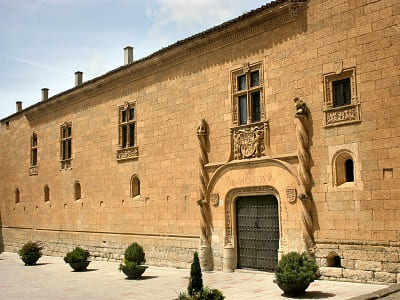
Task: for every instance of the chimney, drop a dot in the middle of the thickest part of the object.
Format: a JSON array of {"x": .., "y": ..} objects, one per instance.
[
  {"x": 45, "y": 94},
  {"x": 128, "y": 55},
  {"x": 78, "y": 78},
  {"x": 19, "y": 106}
]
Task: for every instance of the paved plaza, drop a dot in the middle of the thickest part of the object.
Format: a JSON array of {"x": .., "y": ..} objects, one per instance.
[{"x": 51, "y": 278}]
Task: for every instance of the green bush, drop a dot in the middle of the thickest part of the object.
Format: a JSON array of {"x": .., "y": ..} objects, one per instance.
[
  {"x": 77, "y": 255},
  {"x": 295, "y": 272},
  {"x": 135, "y": 253},
  {"x": 195, "y": 280},
  {"x": 30, "y": 253},
  {"x": 295, "y": 267},
  {"x": 133, "y": 258},
  {"x": 205, "y": 293}
]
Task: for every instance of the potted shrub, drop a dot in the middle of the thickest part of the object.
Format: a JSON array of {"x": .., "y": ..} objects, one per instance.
[
  {"x": 132, "y": 263},
  {"x": 78, "y": 259},
  {"x": 295, "y": 272},
  {"x": 30, "y": 253},
  {"x": 196, "y": 278}
]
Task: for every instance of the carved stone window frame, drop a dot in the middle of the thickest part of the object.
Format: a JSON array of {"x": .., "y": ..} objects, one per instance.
[
  {"x": 46, "y": 193},
  {"x": 65, "y": 154},
  {"x": 127, "y": 152},
  {"x": 338, "y": 154},
  {"x": 33, "y": 168},
  {"x": 346, "y": 114},
  {"x": 247, "y": 69},
  {"x": 135, "y": 186}
]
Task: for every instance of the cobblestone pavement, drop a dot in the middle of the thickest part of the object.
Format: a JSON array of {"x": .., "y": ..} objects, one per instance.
[{"x": 51, "y": 278}]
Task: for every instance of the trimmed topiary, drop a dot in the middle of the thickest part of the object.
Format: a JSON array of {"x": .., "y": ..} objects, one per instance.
[
  {"x": 196, "y": 279},
  {"x": 77, "y": 259},
  {"x": 135, "y": 253},
  {"x": 76, "y": 255},
  {"x": 133, "y": 258},
  {"x": 30, "y": 253},
  {"x": 295, "y": 272}
]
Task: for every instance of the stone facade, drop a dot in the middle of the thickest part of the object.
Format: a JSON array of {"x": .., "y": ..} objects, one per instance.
[{"x": 173, "y": 189}]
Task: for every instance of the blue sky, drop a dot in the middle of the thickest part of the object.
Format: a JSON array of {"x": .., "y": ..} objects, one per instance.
[{"x": 44, "y": 42}]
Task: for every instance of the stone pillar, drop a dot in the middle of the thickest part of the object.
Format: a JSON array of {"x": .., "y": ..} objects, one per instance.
[
  {"x": 205, "y": 251},
  {"x": 229, "y": 259},
  {"x": 303, "y": 145}
]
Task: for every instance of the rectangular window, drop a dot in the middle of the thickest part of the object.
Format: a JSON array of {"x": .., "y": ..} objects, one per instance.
[
  {"x": 242, "y": 82},
  {"x": 341, "y": 92},
  {"x": 33, "y": 149},
  {"x": 255, "y": 107},
  {"x": 66, "y": 145},
  {"x": 248, "y": 104},
  {"x": 341, "y": 101},
  {"x": 255, "y": 78},
  {"x": 127, "y": 126},
  {"x": 243, "y": 110}
]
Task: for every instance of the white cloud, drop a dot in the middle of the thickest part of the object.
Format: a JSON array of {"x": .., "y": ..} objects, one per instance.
[
  {"x": 38, "y": 65},
  {"x": 193, "y": 14}
]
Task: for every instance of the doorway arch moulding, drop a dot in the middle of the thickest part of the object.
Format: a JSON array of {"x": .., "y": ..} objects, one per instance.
[{"x": 262, "y": 176}]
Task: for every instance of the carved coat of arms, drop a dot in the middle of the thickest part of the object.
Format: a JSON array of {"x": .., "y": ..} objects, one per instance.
[{"x": 248, "y": 142}]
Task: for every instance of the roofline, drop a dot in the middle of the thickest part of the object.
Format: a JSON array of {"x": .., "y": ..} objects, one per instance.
[{"x": 209, "y": 31}]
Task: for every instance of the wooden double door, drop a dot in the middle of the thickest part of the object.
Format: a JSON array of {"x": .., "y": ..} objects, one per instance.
[{"x": 257, "y": 224}]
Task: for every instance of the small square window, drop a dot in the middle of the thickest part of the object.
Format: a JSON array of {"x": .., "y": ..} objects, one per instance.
[{"x": 341, "y": 92}]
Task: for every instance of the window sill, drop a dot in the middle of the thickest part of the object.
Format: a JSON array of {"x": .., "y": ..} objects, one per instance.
[
  {"x": 33, "y": 170},
  {"x": 66, "y": 164},
  {"x": 127, "y": 153},
  {"x": 342, "y": 115}
]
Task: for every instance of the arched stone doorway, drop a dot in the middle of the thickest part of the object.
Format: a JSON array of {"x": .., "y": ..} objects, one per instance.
[
  {"x": 264, "y": 178},
  {"x": 257, "y": 232}
]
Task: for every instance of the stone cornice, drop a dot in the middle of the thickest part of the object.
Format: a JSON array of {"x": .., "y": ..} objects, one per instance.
[{"x": 247, "y": 26}]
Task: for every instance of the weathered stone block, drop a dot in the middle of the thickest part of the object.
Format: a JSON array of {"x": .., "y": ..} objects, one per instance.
[
  {"x": 358, "y": 275},
  {"x": 385, "y": 277},
  {"x": 331, "y": 272},
  {"x": 368, "y": 265}
]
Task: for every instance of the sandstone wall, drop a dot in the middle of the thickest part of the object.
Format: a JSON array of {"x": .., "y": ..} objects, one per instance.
[{"x": 172, "y": 96}]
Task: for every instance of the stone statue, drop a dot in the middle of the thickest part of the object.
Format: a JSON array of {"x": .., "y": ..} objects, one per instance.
[{"x": 300, "y": 107}]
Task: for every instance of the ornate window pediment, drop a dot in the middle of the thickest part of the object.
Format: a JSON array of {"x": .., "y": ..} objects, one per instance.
[
  {"x": 66, "y": 145},
  {"x": 341, "y": 103},
  {"x": 127, "y": 141},
  {"x": 248, "y": 94},
  {"x": 249, "y": 136}
]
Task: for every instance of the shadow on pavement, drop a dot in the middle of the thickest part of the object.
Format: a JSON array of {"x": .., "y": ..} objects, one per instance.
[
  {"x": 39, "y": 264},
  {"x": 87, "y": 270},
  {"x": 143, "y": 278},
  {"x": 312, "y": 295}
]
